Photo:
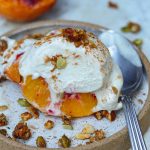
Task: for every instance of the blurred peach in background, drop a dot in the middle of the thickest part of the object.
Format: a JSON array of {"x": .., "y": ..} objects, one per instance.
[{"x": 24, "y": 10}]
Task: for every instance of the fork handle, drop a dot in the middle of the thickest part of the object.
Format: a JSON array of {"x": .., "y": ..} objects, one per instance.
[{"x": 135, "y": 133}]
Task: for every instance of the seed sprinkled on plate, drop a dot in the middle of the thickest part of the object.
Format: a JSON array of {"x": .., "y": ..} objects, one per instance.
[
  {"x": 40, "y": 142},
  {"x": 64, "y": 141},
  {"x": 49, "y": 124},
  {"x": 23, "y": 102}
]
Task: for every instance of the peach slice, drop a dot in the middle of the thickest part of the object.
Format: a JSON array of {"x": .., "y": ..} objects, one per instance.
[
  {"x": 37, "y": 92},
  {"x": 78, "y": 105},
  {"x": 13, "y": 72}
]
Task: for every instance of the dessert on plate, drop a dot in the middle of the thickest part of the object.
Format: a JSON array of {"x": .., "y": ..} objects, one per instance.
[{"x": 65, "y": 72}]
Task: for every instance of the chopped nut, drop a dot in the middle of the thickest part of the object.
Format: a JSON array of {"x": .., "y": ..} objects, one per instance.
[
  {"x": 66, "y": 120},
  {"x": 49, "y": 124},
  {"x": 26, "y": 116},
  {"x": 104, "y": 113},
  {"x": 68, "y": 127},
  {"x": 138, "y": 43},
  {"x": 131, "y": 27},
  {"x": 88, "y": 129},
  {"x": 22, "y": 131},
  {"x": 99, "y": 135},
  {"x": 40, "y": 142},
  {"x": 111, "y": 116},
  {"x": 112, "y": 5},
  {"x": 82, "y": 136},
  {"x": 61, "y": 63},
  {"x": 3, "y": 108},
  {"x": 86, "y": 132},
  {"x": 64, "y": 141},
  {"x": 23, "y": 102},
  {"x": 3, "y": 132},
  {"x": 33, "y": 111},
  {"x": 3, "y": 120},
  {"x": 3, "y": 45},
  {"x": 98, "y": 115}
]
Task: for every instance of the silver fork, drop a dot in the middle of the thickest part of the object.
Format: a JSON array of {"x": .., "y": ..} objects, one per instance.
[{"x": 135, "y": 133}]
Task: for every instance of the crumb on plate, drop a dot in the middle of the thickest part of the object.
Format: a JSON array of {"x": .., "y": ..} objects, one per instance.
[
  {"x": 3, "y": 132},
  {"x": 3, "y": 120},
  {"x": 112, "y": 5},
  {"x": 26, "y": 116},
  {"x": 3, "y": 107},
  {"x": 49, "y": 124}
]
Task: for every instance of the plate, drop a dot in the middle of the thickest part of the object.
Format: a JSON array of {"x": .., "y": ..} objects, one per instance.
[{"x": 116, "y": 132}]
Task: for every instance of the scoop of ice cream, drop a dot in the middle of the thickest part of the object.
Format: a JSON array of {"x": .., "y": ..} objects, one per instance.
[{"x": 86, "y": 65}]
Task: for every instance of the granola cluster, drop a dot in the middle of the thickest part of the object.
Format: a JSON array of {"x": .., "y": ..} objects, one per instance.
[
  {"x": 22, "y": 131},
  {"x": 98, "y": 135},
  {"x": 105, "y": 114},
  {"x": 78, "y": 36}
]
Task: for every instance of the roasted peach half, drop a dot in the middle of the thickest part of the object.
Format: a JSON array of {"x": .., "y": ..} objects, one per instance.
[
  {"x": 24, "y": 10},
  {"x": 75, "y": 105}
]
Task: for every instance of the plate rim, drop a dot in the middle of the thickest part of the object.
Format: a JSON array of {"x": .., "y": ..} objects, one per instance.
[{"x": 111, "y": 142}]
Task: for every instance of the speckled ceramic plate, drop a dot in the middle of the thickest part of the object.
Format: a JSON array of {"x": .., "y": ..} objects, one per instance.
[{"x": 116, "y": 132}]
